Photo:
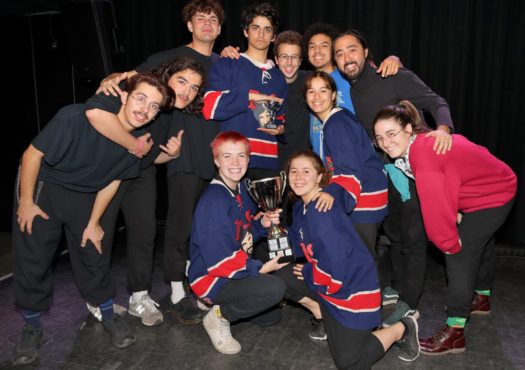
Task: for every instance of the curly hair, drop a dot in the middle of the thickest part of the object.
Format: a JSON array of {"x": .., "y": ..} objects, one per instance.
[
  {"x": 204, "y": 6},
  {"x": 168, "y": 96},
  {"x": 318, "y": 29},
  {"x": 318, "y": 166},
  {"x": 261, "y": 10},
  {"x": 180, "y": 64},
  {"x": 289, "y": 38}
]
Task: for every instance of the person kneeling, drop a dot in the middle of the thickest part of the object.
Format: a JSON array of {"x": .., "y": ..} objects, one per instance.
[
  {"x": 340, "y": 274},
  {"x": 224, "y": 230}
]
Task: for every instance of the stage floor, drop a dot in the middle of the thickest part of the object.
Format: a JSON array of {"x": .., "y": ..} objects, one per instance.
[{"x": 76, "y": 341}]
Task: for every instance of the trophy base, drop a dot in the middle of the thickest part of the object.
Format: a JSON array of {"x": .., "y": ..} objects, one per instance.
[{"x": 280, "y": 243}]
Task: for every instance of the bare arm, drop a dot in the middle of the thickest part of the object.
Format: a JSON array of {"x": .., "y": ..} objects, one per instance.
[
  {"x": 28, "y": 210},
  {"x": 108, "y": 125},
  {"x": 93, "y": 230}
]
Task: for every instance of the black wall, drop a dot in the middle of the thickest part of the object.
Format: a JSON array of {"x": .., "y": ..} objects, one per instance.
[{"x": 468, "y": 51}]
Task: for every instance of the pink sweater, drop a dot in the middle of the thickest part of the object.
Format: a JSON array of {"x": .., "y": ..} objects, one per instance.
[{"x": 466, "y": 179}]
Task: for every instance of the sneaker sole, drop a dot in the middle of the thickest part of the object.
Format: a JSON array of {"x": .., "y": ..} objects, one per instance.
[
  {"x": 318, "y": 338},
  {"x": 24, "y": 360},
  {"x": 453, "y": 351},
  {"x": 415, "y": 316},
  {"x": 483, "y": 313},
  {"x": 219, "y": 349},
  {"x": 389, "y": 301},
  {"x": 185, "y": 321},
  {"x": 136, "y": 314},
  {"x": 125, "y": 343},
  {"x": 418, "y": 344}
]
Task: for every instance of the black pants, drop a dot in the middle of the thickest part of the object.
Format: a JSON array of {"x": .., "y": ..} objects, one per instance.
[
  {"x": 368, "y": 235},
  {"x": 351, "y": 349},
  {"x": 405, "y": 229},
  {"x": 137, "y": 199},
  {"x": 184, "y": 192},
  {"x": 33, "y": 254},
  {"x": 260, "y": 249},
  {"x": 254, "y": 297},
  {"x": 473, "y": 267}
]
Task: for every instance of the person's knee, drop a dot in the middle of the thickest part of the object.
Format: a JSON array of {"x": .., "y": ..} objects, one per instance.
[{"x": 275, "y": 289}]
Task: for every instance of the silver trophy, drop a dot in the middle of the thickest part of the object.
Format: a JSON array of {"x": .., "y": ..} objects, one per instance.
[
  {"x": 272, "y": 107},
  {"x": 267, "y": 194}
]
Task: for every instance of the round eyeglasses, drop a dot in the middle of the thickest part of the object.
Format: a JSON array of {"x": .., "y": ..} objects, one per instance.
[{"x": 141, "y": 102}]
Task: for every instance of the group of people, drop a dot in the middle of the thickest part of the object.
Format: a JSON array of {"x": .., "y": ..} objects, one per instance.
[{"x": 206, "y": 117}]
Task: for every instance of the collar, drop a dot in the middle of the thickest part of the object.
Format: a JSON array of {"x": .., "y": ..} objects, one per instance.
[
  {"x": 403, "y": 163},
  {"x": 219, "y": 181},
  {"x": 363, "y": 80},
  {"x": 305, "y": 206},
  {"x": 332, "y": 112},
  {"x": 265, "y": 66}
]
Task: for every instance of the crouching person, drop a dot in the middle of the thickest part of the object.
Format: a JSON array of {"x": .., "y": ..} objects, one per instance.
[
  {"x": 222, "y": 270},
  {"x": 68, "y": 176}
]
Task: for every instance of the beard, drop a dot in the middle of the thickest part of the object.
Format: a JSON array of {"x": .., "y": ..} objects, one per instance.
[{"x": 352, "y": 77}]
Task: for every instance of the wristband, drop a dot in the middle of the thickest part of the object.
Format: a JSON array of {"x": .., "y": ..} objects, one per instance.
[
  {"x": 140, "y": 147},
  {"x": 173, "y": 157}
]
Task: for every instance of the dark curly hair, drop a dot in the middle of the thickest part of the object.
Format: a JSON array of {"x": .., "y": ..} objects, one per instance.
[
  {"x": 204, "y": 6},
  {"x": 261, "y": 10},
  {"x": 286, "y": 37},
  {"x": 318, "y": 29},
  {"x": 179, "y": 64},
  {"x": 318, "y": 166}
]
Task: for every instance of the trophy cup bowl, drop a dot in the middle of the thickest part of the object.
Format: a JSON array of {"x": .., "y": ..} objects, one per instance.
[
  {"x": 273, "y": 107},
  {"x": 267, "y": 194}
]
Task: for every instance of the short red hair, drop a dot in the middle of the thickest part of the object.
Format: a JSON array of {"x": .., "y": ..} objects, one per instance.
[{"x": 229, "y": 136}]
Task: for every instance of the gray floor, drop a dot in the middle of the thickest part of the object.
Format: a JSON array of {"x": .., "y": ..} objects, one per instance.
[{"x": 76, "y": 341}]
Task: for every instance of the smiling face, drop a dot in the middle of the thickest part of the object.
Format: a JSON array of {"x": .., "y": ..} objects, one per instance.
[
  {"x": 260, "y": 33},
  {"x": 132, "y": 115},
  {"x": 232, "y": 161},
  {"x": 205, "y": 27},
  {"x": 304, "y": 179},
  {"x": 320, "y": 98},
  {"x": 288, "y": 67},
  {"x": 186, "y": 85},
  {"x": 319, "y": 53},
  {"x": 391, "y": 138},
  {"x": 350, "y": 57}
]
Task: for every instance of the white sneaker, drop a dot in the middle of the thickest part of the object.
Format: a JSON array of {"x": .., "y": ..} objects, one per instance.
[
  {"x": 146, "y": 309},
  {"x": 95, "y": 310},
  {"x": 203, "y": 305},
  {"x": 220, "y": 335}
]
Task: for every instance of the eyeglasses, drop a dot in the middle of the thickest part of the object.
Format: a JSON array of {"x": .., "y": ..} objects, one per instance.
[
  {"x": 390, "y": 137},
  {"x": 141, "y": 102},
  {"x": 284, "y": 58}
]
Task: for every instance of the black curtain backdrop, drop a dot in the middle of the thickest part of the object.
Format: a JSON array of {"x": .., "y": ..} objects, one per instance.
[{"x": 469, "y": 52}]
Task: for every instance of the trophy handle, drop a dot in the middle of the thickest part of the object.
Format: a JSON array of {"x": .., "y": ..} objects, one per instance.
[
  {"x": 248, "y": 186},
  {"x": 283, "y": 178}
]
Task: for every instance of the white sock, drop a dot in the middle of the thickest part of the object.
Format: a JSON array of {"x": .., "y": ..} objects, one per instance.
[
  {"x": 187, "y": 267},
  {"x": 177, "y": 291},
  {"x": 137, "y": 296}
]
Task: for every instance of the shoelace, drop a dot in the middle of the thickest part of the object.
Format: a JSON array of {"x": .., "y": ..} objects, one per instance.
[
  {"x": 27, "y": 339},
  {"x": 439, "y": 335},
  {"x": 399, "y": 310},
  {"x": 149, "y": 303}
]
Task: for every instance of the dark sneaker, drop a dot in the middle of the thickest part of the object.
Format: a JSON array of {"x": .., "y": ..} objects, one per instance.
[
  {"x": 121, "y": 334},
  {"x": 185, "y": 311},
  {"x": 446, "y": 339},
  {"x": 402, "y": 310},
  {"x": 389, "y": 296},
  {"x": 318, "y": 332},
  {"x": 26, "y": 350},
  {"x": 480, "y": 304},
  {"x": 410, "y": 343}
]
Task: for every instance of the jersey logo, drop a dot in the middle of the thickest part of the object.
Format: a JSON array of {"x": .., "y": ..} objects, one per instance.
[
  {"x": 301, "y": 231},
  {"x": 329, "y": 164},
  {"x": 265, "y": 74},
  {"x": 307, "y": 250},
  {"x": 340, "y": 98}
]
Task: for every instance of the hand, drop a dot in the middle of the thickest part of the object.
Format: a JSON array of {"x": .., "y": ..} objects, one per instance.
[
  {"x": 273, "y": 131},
  {"x": 298, "y": 270},
  {"x": 460, "y": 244},
  {"x": 258, "y": 98},
  {"x": 230, "y": 52},
  {"x": 270, "y": 217},
  {"x": 26, "y": 213},
  {"x": 460, "y": 217},
  {"x": 110, "y": 85},
  {"x": 94, "y": 233},
  {"x": 273, "y": 265},
  {"x": 389, "y": 66},
  {"x": 325, "y": 202},
  {"x": 258, "y": 216},
  {"x": 147, "y": 143},
  {"x": 173, "y": 146},
  {"x": 443, "y": 141}
]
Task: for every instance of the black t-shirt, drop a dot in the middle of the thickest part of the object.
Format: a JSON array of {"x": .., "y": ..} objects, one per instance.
[
  {"x": 78, "y": 158},
  {"x": 158, "y": 128},
  {"x": 297, "y": 121},
  {"x": 196, "y": 156}
]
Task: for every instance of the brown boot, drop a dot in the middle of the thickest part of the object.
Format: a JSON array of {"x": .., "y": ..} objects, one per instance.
[
  {"x": 445, "y": 340},
  {"x": 480, "y": 304}
]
